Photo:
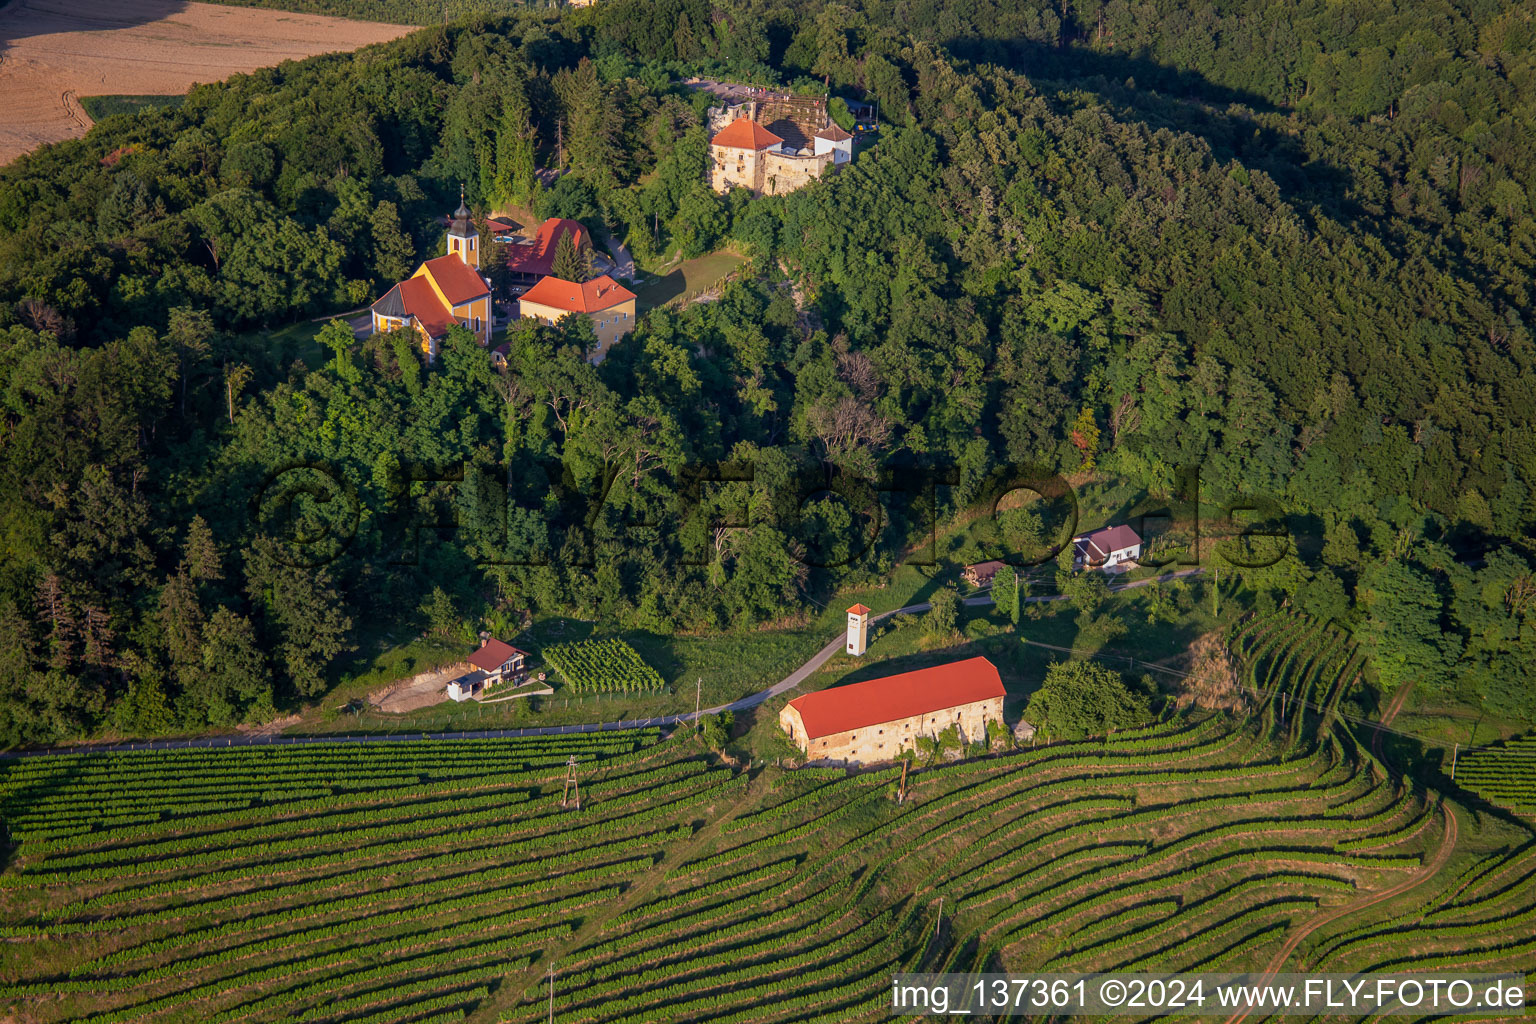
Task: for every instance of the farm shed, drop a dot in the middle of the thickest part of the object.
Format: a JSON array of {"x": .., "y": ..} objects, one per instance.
[{"x": 875, "y": 720}]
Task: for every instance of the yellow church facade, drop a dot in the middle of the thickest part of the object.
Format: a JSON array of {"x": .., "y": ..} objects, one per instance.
[{"x": 443, "y": 292}]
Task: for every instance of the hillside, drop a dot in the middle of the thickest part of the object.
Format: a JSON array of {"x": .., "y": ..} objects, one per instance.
[
  {"x": 434, "y": 881},
  {"x": 1040, "y": 268}
]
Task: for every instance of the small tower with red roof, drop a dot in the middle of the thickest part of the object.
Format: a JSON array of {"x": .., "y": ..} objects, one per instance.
[{"x": 858, "y": 630}]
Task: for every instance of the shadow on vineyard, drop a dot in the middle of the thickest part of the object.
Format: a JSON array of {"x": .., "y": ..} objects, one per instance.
[{"x": 342, "y": 882}]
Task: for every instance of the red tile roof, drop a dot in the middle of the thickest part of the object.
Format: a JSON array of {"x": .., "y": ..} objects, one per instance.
[
  {"x": 539, "y": 257},
  {"x": 458, "y": 280},
  {"x": 594, "y": 296},
  {"x": 422, "y": 303},
  {"x": 858, "y": 609},
  {"x": 833, "y": 133},
  {"x": 1113, "y": 538},
  {"x": 493, "y": 654},
  {"x": 876, "y": 701},
  {"x": 745, "y": 133}
]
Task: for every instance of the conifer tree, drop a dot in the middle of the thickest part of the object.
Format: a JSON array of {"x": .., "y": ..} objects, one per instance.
[{"x": 572, "y": 262}]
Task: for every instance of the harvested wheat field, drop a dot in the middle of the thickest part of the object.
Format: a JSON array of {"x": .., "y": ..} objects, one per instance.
[{"x": 54, "y": 51}]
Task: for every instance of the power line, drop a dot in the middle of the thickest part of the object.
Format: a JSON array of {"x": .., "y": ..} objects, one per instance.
[{"x": 1319, "y": 708}]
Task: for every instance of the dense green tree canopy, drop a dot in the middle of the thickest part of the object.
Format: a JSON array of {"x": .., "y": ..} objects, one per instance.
[
  {"x": 1084, "y": 698},
  {"x": 1088, "y": 239}
]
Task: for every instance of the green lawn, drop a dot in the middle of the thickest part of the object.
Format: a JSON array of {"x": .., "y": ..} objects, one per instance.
[
  {"x": 106, "y": 106},
  {"x": 280, "y": 346},
  {"x": 729, "y": 666},
  {"x": 724, "y": 668},
  {"x": 687, "y": 278}
]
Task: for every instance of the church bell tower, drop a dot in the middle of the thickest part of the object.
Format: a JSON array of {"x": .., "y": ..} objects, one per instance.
[{"x": 463, "y": 239}]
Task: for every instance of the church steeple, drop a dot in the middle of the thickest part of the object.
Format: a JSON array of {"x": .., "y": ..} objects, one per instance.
[{"x": 463, "y": 239}]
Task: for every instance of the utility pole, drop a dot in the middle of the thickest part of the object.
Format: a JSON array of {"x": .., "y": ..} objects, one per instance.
[
  {"x": 1454, "y": 751},
  {"x": 940, "y": 919},
  {"x": 551, "y": 993},
  {"x": 572, "y": 786},
  {"x": 901, "y": 792},
  {"x": 559, "y": 143},
  {"x": 698, "y": 695}
]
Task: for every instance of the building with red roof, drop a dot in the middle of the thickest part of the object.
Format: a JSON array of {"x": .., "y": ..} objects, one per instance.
[
  {"x": 1107, "y": 548},
  {"x": 494, "y": 661},
  {"x": 530, "y": 259},
  {"x": 776, "y": 145},
  {"x": 745, "y": 133},
  {"x": 444, "y": 291},
  {"x": 877, "y": 719},
  {"x": 609, "y": 305}
]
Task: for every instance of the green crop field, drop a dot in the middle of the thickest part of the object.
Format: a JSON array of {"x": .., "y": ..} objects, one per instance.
[
  {"x": 1505, "y": 774},
  {"x": 599, "y": 665},
  {"x": 438, "y": 880}
]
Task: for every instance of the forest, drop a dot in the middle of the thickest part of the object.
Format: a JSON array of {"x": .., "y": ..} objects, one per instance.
[{"x": 1291, "y": 245}]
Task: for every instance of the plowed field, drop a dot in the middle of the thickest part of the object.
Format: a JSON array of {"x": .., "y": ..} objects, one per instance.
[{"x": 54, "y": 51}]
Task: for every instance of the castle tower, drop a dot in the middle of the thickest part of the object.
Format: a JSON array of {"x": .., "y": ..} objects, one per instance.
[
  {"x": 463, "y": 239},
  {"x": 858, "y": 630}
]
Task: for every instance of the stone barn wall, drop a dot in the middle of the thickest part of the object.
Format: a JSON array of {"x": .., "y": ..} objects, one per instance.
[{"x": 884, "y": 741}]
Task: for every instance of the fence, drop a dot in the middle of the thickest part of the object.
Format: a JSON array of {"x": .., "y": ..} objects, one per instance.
[{"x": 706, "y": 293}]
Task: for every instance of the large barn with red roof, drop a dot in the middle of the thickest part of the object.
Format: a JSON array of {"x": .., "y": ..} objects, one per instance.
[{"x": 877, "y": 719}]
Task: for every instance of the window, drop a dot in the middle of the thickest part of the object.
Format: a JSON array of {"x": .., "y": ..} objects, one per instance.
[{"x": 477, "y": 325}]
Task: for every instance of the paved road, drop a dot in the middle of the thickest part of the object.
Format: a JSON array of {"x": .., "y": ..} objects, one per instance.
[
  {"x": 623, "y": 260},
  {"x": 784, "y": 685}
]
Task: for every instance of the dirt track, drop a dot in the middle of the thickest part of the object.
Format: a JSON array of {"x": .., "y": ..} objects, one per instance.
[
  {"x": 1429, "y": 870},
  {"x": 53, "y": 51}
]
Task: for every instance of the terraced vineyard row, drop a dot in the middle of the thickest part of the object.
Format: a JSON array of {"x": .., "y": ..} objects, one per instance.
[
  {"x": 1505, "y": 774},
  {"x": 1297, "y": 668},
  {"x": 683, "y": 891}
]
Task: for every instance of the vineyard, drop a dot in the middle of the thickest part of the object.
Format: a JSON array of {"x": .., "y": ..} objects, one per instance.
[
  {"x": 1296, "y": 668},
  {"x": 606, "y": 665},
  {"x": 1505, "y": 774},
  {"x": 437, "y": 880}
]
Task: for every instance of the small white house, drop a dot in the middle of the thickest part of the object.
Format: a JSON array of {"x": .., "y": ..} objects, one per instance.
[
  {"x": 834, "y": 140},
  {"x": 1106, "y": 548}
]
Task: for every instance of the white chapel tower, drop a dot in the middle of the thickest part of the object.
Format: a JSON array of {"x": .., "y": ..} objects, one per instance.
[{"x": 858, "y": 629}]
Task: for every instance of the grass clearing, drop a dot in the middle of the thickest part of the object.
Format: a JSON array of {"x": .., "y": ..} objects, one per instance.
[
  {"x": 109, "y": 106},
  {"x": 686, "y": 278}
]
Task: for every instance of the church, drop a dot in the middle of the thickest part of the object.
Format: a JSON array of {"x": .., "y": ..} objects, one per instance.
[
  {"x": 450, "y": 290},
  {"x": 443, "y": 292}
]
